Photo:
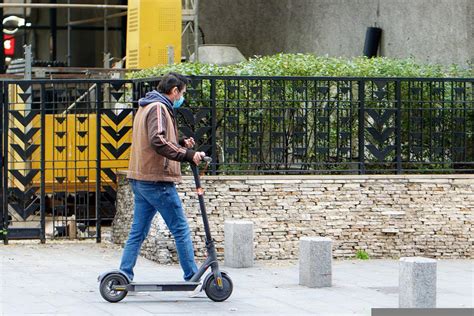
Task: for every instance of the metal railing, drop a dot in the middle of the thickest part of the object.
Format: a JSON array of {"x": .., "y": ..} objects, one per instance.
[
  {"x": 65, "y": 140},
  {"x": 63, "y": 143},
  {"x": 295, "y": 125}
]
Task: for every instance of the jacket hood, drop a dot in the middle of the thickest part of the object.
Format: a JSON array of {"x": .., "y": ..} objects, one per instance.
[{"x": 155, "y": 96}]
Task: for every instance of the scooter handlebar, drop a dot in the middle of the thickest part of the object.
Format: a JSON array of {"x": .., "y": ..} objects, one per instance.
[
  {"x": 205, "y": 159},
  {"x": 194, "y": 167}
]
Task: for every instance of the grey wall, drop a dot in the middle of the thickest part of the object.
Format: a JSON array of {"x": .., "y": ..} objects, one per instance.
[{"x": 439, "y": 31}]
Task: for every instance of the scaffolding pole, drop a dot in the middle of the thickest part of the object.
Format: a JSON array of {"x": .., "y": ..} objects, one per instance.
[
  {"x": 191, "y": 26},
  {"x": 190, "y": 19},
  {"x": 62, "y": 6}
]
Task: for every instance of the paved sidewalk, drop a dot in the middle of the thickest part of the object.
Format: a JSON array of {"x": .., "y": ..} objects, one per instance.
[{"x": 61, "y": 279}]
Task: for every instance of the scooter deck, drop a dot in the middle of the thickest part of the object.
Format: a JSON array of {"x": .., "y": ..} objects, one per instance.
[{"x": 157, "y": 287}]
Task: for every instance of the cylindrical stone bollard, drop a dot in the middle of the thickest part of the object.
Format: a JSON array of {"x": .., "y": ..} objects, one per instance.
[
  {"x": 315, "y": 261},
  {"x": 417, "y": 283},
  {"x": 238, "y": 244}
]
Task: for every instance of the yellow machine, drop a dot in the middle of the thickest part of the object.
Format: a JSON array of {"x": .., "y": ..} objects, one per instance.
[
  {"x": 70, "y": 148},
  {"x": 153, "y": 32},
  {"x": 154, "y": 35}
]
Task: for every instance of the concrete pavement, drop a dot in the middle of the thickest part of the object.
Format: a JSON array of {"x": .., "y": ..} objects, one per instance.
[{"x": 60, "y": 278}]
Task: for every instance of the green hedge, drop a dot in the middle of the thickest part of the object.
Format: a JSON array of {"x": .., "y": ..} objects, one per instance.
[{"x": 312, "y": 65}]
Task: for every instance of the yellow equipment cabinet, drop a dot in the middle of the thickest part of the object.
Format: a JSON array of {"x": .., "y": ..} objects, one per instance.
[
  {"x": 70, "y": 154},
  {"x": 152, "y": 27}
]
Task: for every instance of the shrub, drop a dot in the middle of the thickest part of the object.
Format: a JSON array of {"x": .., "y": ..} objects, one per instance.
[{"x": 315, "y": 66}]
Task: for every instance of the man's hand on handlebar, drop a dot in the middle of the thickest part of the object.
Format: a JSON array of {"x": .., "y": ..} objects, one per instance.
[{"x": 198, "y": 156}]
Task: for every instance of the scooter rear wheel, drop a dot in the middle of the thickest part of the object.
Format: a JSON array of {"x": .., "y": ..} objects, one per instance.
[
  {"x": 107, "y": 284},
  {"x": 213, "y": 291}
]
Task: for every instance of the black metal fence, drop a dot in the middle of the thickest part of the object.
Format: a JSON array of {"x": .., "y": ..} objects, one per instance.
[
  {"x": 65, "y": 140},
  {"x": 63, "y": 143},
  {"x": 261, "y": 125}
]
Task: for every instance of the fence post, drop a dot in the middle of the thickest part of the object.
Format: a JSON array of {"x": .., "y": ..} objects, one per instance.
[
  {"x": 5, "y": 161},
  {"x": 214, "y": 123},
  {"x": 361, "y": 126},
  {"x": 398, "y": 119},
  {"x": 2, "y": 216},
  {"x": 98, "y": 165},
  {"x": 43, "y": 166}
]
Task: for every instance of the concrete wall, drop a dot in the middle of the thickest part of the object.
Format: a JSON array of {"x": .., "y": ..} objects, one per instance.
[
  {"x": 440, "y": 31},
  {"x": 387, "y": 216}
]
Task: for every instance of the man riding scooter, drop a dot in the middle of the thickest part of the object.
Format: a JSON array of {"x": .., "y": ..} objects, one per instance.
[{"x": 154, "y": 169}]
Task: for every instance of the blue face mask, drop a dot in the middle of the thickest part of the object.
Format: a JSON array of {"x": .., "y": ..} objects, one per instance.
[{"x": 177, "y": 103}]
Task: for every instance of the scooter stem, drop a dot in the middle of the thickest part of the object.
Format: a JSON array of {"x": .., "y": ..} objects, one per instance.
[{"x": 200, "y": 193}]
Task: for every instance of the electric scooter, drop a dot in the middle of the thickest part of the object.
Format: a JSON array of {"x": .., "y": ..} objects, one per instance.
[{"x": 218, "y": 286}]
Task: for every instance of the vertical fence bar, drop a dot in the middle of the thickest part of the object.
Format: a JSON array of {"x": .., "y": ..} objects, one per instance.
[
  {"x": 135, "y": 86},
  {"x": 43, "y": 165},
  {"x": 398, "y": 120},
  {"x": 465, "y": 122},
  {"x": 214, "y": 123},
  {"x": 5, "y": 162},
  {"x": 2, "y": 213},
  {"x": 98, "y": 164},
  {"x": 361, "y": 126}
]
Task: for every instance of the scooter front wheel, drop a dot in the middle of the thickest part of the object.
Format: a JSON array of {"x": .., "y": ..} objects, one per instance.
[
  {"x": 213, "y": 291},
  {"x": 107, "y": 287}
]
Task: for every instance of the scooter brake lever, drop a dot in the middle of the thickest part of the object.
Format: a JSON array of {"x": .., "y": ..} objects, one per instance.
[{"x": 207, "y": 160}]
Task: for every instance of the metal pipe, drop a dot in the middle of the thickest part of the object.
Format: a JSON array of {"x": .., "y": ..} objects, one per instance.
[
  {"x": 43, "y": 167},
  {"x": 53, "y": 32},
  {"x": 62, "y": 6},
  {"x": 24, "y": 33},
  {"x": 6, "y": 146},
  {"x": 111, "y": 16},
  {"x": 98, "y": 217},
  {"x": 196, "y": 31},
  {"x": 123, "y": 32},
  {"x": 105, "y": 30},
  {"x": 2, "y": 51},
  {"x": 69, "y": 35},
  {"x": 73, "y": 28},
  {"x": 79, "y": 99}
]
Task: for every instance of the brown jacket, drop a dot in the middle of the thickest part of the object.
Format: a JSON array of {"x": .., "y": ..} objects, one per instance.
[{"x": 156, "y": 153}]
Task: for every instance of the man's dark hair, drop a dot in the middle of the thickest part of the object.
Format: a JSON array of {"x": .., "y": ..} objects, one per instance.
[{"x": 171, "y": 80}]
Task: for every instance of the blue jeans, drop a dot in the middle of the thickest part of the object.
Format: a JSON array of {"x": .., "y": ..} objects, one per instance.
[{"x": 151, "y": 197}]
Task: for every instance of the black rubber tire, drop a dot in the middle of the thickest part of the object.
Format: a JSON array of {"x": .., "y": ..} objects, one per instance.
[
  {"x": 213, "y": 292},
  {"x": 105, "y": 287}
]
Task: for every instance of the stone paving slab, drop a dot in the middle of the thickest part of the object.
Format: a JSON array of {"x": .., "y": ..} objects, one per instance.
[{"x": 60, "y": 278}]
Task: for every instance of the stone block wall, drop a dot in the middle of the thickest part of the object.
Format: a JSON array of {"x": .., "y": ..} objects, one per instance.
[{"x": 386, "y": 216}]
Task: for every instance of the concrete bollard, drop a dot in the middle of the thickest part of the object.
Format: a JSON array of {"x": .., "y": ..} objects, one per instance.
[
  {"x": 417, "y": 283},
  {"x": 315, "y": 261},
  {"x": 238, "y": 244}
]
